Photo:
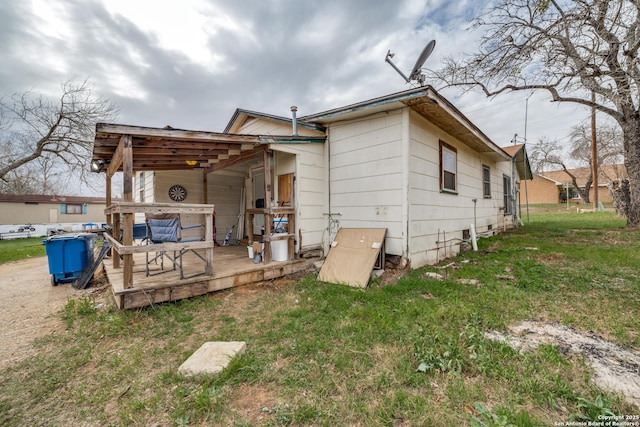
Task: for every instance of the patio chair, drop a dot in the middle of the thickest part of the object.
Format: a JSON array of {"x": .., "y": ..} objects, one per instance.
[{"x": 167, "y": 228}]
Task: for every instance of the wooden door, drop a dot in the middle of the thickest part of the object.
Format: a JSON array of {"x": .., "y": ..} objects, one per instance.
[{"x": 285, "y": 190}]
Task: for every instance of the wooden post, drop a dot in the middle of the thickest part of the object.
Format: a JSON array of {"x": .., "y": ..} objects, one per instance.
[
  {"x": 291, "y": 230},
  {"x": 250, "y": 227},
  {"x": 117, "y": 232},
  {"x": 208, "y": 237},
  {"x": 108, "y": 217},
  {"x": 127, "y": 220},
  {"x": 127, "y": 168},
  {"x": 205, "y": 195},
  {"x": 267, "y": 205},
  {"x": 108, "y": 198}
]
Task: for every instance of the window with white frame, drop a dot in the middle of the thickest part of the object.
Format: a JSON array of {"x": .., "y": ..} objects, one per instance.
[
  {"x": 141, "y": 186},
  {"x": 486, "y": 181},
  {"x": 448, "y": 168}
]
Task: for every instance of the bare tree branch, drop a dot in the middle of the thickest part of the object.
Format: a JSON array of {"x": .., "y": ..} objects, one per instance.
[
  {"x": 569, "y": 49},
  {"x": 549, "y": 155},
  {"x": 33, "y": 127}
]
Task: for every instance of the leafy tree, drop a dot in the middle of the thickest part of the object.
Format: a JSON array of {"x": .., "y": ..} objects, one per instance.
[
  {"x": 570, "y": 49},
  {"x": 41, "y": 140}
]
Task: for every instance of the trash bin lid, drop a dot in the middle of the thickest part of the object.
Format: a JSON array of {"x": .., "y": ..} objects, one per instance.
[{"x": 68, "y": 236}]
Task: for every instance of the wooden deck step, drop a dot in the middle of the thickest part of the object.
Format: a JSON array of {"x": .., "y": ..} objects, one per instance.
[{"x": 232, "y": 267}]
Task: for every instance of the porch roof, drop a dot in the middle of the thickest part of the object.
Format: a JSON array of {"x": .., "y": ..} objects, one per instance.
[{"x": 177, "y": 149}]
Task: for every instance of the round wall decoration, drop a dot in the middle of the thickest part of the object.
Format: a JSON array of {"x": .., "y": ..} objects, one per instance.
[{"x": 177, "y": 193}]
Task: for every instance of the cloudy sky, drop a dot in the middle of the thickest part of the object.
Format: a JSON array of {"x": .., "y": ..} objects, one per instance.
[{"x": 190, "y": 63}]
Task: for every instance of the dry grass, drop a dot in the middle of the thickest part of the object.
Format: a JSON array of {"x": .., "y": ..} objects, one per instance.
[{"x": 405, "y": 352}]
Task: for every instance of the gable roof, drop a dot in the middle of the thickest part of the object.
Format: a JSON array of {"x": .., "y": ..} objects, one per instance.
[
  {"x": 606, "y": 174},
  {"x": 521, "y": 160},
  {"x": 240, "y": 117},
  {"x": 546, "y": 178},
  {"x": 430, "y": 105}
]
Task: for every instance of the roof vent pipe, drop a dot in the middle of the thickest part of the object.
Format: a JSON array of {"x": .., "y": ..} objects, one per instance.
[{"x": 294, "y": 120}]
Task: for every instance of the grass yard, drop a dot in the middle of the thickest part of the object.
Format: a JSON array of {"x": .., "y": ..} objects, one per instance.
[
  {"x": 17, "y": 249},
  {"x": 412, "y": 353}
]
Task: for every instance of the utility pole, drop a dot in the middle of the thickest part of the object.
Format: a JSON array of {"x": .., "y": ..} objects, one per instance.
[
  {"x": 594, "y": 153},
  {"x": 526, "y": 122}
]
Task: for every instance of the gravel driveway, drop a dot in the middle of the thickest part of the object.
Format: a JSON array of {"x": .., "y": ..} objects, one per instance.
[{"x": 28, "y": 304}]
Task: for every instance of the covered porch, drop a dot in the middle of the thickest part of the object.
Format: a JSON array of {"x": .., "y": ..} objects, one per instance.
[{"x": 131, "y": 149}]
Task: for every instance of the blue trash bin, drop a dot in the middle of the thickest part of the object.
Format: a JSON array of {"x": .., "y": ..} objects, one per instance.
[{"x": 68, "y": 254}]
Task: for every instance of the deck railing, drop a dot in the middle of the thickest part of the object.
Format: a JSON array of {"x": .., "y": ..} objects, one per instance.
[
  {"x": 269, "y": 215},
  {"x": 121, "y": 217}
]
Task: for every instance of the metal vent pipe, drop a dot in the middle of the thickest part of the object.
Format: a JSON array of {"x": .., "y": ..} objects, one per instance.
[{"x": 294, "y": 120}]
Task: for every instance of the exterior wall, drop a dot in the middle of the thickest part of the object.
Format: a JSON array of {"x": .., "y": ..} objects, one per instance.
[
  {"x": 541, "y": 190},
  {"x": 437, "y": 219},
  {"x": 256, "y": 126},
  {"x": 366, "y": 169},
  {"x": 603, "y": 194},
  {"x": 544, "y": 189},
  {"x": 46, "y": 215},
  {"x": 143, "y": 187},
  {"x": 21, "y": 213},
  {"x": 224, "y": 190},
  {"x": 307, "y": 162},
  {"x": 191, "y": 180},
  {"x": 143, "y": 191},
  {"x": 225, "y": 187}
]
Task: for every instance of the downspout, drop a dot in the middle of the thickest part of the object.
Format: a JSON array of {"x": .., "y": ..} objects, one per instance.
[
  {"x": 406, "y": 200},
  {"x": 327, "y": 197}
]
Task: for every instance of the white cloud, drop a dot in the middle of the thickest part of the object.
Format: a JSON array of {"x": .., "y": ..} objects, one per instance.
[{"x": 191, "y": 63}]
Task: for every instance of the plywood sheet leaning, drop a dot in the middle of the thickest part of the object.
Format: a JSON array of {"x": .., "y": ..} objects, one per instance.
[{"x": 352, "y": 256}]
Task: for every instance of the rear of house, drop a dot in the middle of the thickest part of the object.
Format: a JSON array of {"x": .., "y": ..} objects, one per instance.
[
  {"x": 413, "y": 164},
  {"x": 408, "y": 162}
]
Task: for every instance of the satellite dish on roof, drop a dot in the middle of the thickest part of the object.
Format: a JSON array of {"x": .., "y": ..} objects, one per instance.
[{"x": 416, "y": 74}]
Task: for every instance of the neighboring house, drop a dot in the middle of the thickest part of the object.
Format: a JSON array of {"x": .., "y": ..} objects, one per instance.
[
  {"x": 409, "y": 162},
  {"x": 542, "y": 189},
  {"x": 555, "y": 186},
  {"x": 44, "y": 212}
]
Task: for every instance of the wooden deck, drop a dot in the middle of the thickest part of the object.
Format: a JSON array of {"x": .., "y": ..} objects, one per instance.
[{"x": 231, "y": 267}]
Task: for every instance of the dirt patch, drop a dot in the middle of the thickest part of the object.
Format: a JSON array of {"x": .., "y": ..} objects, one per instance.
[
  {"x": 615, "y": 368},
  {"x": 27, "y": 307},
  {"x": 254, "y": 402}
]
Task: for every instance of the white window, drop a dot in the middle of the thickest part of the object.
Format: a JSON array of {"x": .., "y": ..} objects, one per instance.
[
  {"x": 486, "y": 181},
  {"x": 448, "y": 168}
]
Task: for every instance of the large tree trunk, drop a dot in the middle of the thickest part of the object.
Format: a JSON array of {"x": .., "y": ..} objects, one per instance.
[
  {"x": 619, "y": 191},
  {"x": 631, "y": 132}
]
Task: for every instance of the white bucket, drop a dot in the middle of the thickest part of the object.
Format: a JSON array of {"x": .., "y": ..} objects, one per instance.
[
  {"x": 279, "y": 248},
  {"x": 250, "y": 249}
]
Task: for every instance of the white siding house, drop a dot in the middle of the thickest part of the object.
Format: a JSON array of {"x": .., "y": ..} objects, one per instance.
[
  {"x": 413, "y": 164},
  {"x": 408, "y": 162}
]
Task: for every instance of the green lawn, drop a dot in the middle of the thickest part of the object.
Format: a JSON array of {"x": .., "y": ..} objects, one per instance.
[
  {"x": 411, "y": 353},
  {"x": 16, "y": 249}
]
